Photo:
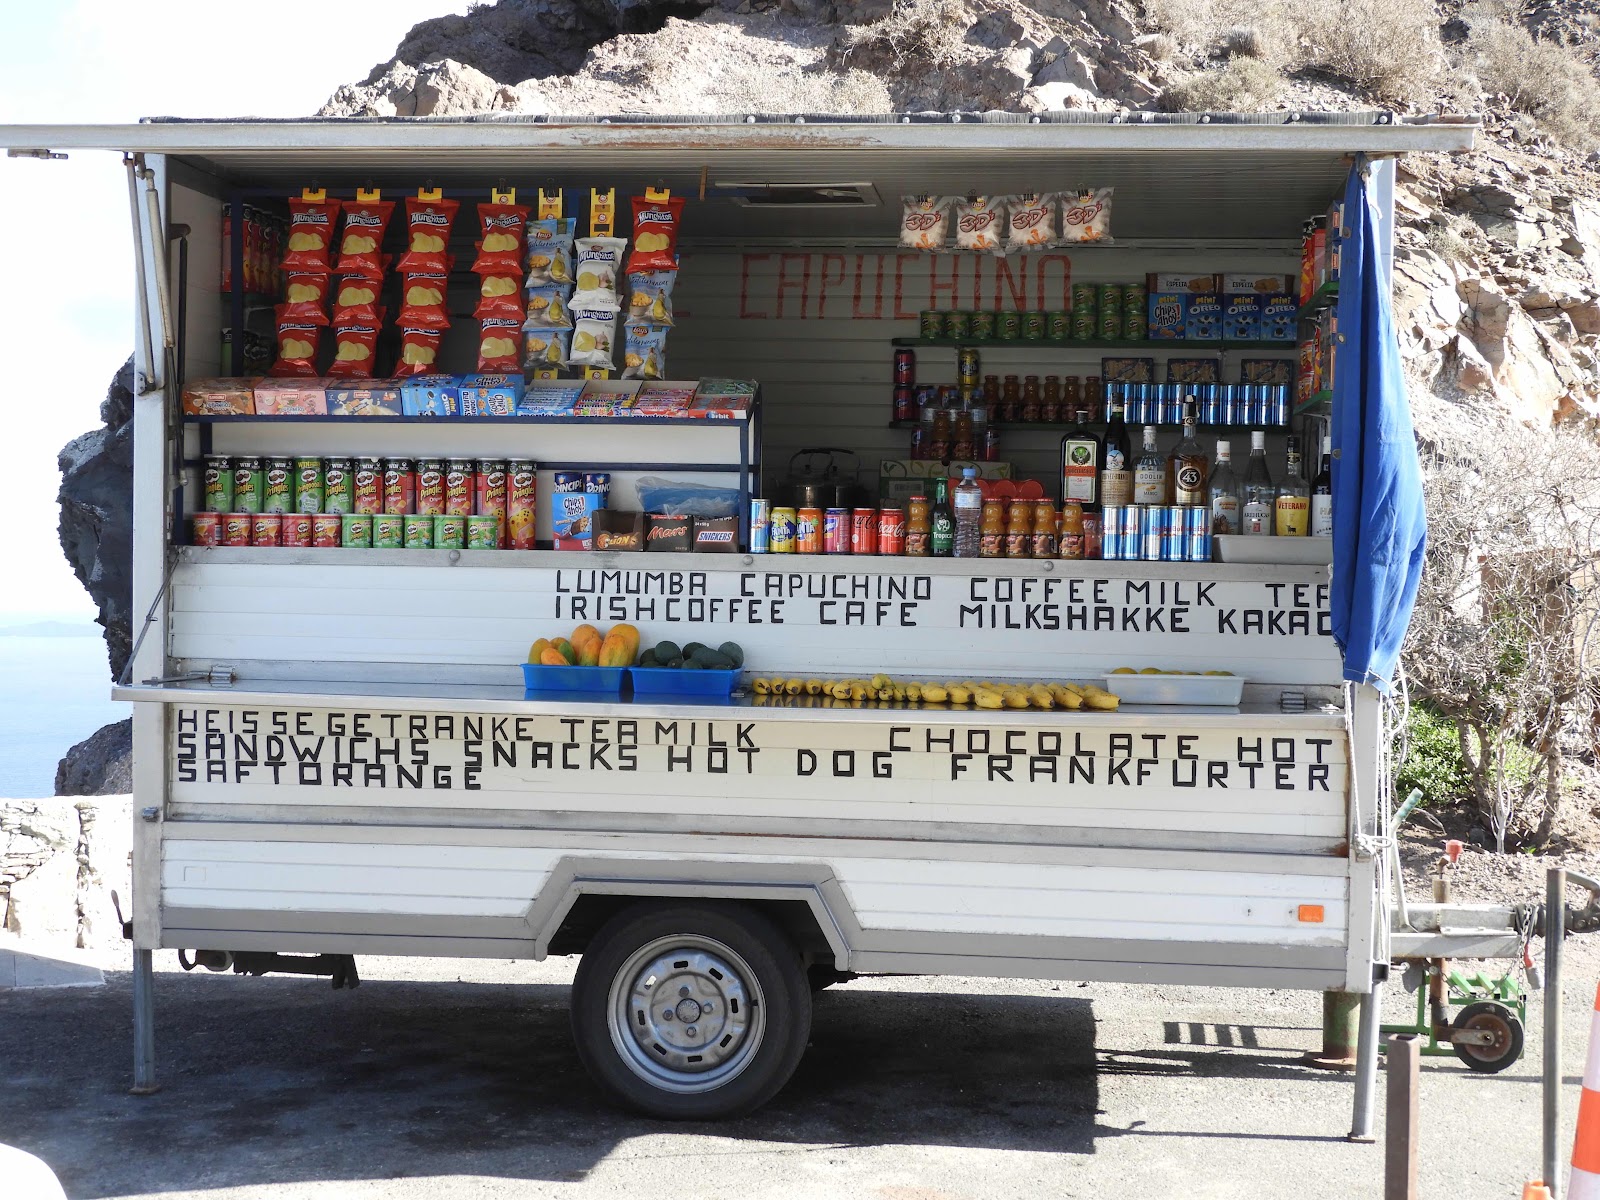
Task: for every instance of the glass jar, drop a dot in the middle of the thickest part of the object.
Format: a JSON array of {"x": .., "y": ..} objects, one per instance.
[
  {"x": 1011, "y": 400},
  {"x": 1030, "y": 399},
  {"x": 1093, "y": 399},
  {"x": 1019, "y": 530},
  {"x": 1050, "y": 401},
  {"x": 992, "y": 530}
]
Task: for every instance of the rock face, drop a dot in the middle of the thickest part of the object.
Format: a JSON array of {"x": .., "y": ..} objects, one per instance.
[
  {"x": 59, "y": 862},
  {"x": 100, "y": 765}
]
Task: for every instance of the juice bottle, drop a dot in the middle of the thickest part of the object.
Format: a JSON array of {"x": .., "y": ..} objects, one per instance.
[
  {"x": 1010, "y": 400},
  {"x": 1019, "y": 530},
  {"x": 963, "y": 446},
  {"x": 1031, "y": 398},
  {"x": 919, "y": 527},
  {"x": 1044, "y": 529},
  {"x": 939, "y": 442},
  {"x": 992, "y": 530},
  {"x": 1050, "y": 401},
  {"x": 1071, "y": 530}
]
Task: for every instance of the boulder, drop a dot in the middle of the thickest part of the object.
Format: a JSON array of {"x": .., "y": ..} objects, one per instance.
[{"x": 100, "y": 765}]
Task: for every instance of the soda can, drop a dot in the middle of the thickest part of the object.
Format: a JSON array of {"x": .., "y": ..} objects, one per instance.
[
  {"x": 1196, "y": 533},
  {"x": 967, "y": 366},
  {"x": 1008, "y": 325},
  {"x": 338, "y": 486},
  {"x": 930, "y": 324},
  {"x": 567, "y": 481},
  {"x": 1172, "y": 533},
  {"x": 760, "y": 526},
  {"x": 249, "y": 485},
  {"x": 1172, "y": 403},
  {"x": 309, "y": 492},
  {"x": 399, "y": 486},
  {"x": 483, "y": 532},
  {"x": 598, "y": 483},
  {"x": 207, "y": 529},
  {"x": 1205, "y": 395},
  {"x": 1280, "y": 404},
  {"x": 864, "y": 531},
  {"x": 327, "y": 529},
  {"x": 218, "y": 483},
  {"x": 1132, "y": 534},
  {"x": 430, "y": 487},
  {"x": 1152, "y": 527},
  {"x": 1033, "y": 326},
  {"x": 388, "y": 531},
  {"x": 1111, "y": 532},
  {"x": 490, "y": 494},
  {"x": 355, "y": 530},
  {"x": 368, "y": 486},
  {"x": 1094, "y": 535},
  {"x": 782, "y": 537},
  {"x": 296, "y": 529},
  {"x": 891, "y": 531},
  {"x": 905, "y": 367},
  {"x": 836, "y": 531},
  {"x": 982, "y": 326},
  {"x": 416, "y": 532},
  {"x": 905, "y": 403},
  {"x": 1057, "y": 325},
  {"x": 957, "y": 325},
  {"x": 449, "y": 532},
  {"x": 522, "y": 492},
  {"x": 808, "y": 531}
]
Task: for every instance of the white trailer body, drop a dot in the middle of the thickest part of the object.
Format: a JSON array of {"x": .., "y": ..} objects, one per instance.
[{"x": 334, "y": 755}]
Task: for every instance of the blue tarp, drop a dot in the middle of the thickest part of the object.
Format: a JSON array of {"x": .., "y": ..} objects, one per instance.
[{"x": 1379, "y": 524}]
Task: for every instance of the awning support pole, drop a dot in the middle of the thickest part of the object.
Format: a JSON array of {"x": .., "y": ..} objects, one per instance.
[
  {"x": 144, "y": 1024},
  {"x": 1366, "y": 1063}
]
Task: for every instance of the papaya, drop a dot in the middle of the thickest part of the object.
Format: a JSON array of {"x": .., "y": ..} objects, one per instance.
[
  {"x": 631, "y": 633},
  {"x": 538, "y": 648},
  {"x": 565, "y": 648},
  {"x": 615, "y": 651},
  {"x": 551, "y": 657},
  {"x": 588, "y": 652},
  {"x": 583, "y": 633}
]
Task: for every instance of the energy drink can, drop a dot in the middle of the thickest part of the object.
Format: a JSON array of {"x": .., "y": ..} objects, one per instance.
[
  {"x": 1172, "y": 533},
  {"x": 296, "y": 529},
  {"x": 449, "y": 532},
  {"x": 1152, "y": 527},
  {"x": 388, "y": 531},
  {"x": 760, "y": 526},
  {"x": 417, "y": 532},
  {"x": 598, "y": 483},
  {"x": 326, "y": 529},
  {"x": 266, "y": 529},
  {"x": 1111, "y": 532},
  {"x": 459, "y": 486},
  {"x": 781, "y": 539},
  {"x": 1132, "y": 534},
  {"x": 808, "y": 531},
  {"x": 864, "y": 531},
  {"x": 369, "y": 486},
  {"x": 836, "y": 531},
  {"x": 249, "y": 485},
  {"x": 1228, "y": 405},
  {"x": 355, "y": 530},
  {"x": 1196, "y": 533},
  {"x": 483, "y": 532},
  {"x": 399, "y": 486},
  {"x": 207, "y": 529},
  {"x": 338, "y": 486},
  {"x": 309, "y": 492},
  {"x": 218, "y": 484},
  {"x": 1280, "y": 404},
  {"x": 967, "y": 367},
  {"x": 430, "y": 487}
]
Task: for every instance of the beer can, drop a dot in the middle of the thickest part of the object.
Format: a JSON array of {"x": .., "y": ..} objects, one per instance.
[
  {"x": 1007, "y": 325},
  {"x": 449, "y": 532},
  {"x": 338, "y": 486},
  {"x": 930, "y": 324},
  {"x": 760, "y": 526},
  {"x": 1228, "y": 404},
  {"x": 864, "y": 531},
  {"x": 368, "y": 486},
  {"x": 1280, "y": 404},
  {"x": 1094, "y": 538},
  {"x": 982, "y": 326},
  {"x": 207, "y": 529},
  {"x": 249, "y": 485},
  {"x": 808, "y": 531},
  {"x": 1152, "y": 524},
  {"x": 355, "y": 530},
  {"x": 905, "y": 367},
  {"x": 430, "y": 487},
  {"x": 1172, "y": 533},
  {"x": 1057, "y": 325},
  {"x": 782, "y": 538},
  {"x": 598, "y": 483},
  {"x": 388, "y": 531},
  {"x": 836, "y": 531},
  {"x": 1132, "y": 533},
  {"x": 218, "y": 483},
  {"x": 483, "y": 532},
  {"x": 891, "y": 531},
  {"x": 326, "y": 529},
  {"x": 1133, "y": 404},
  {"x": 309, "y": 492},
  {"x": 905, "y": 403},
  {"x": 1111, "y": 532},
  {"x": 967, "y": 366},
  {"x": 490, "y": 496},
  {"x": 416, "y": 532},
  {"x": 459, "y": 486},
  {"x": 266, "y": 529},
  {"x": 1196, "y": 533},
  {"x": 399, "y": 486},
  {"x": 296, "y": 529},
  {"x": 1033, "y": 326},
  {"x": 567, "y": 481},
  {"x": 522, "y": 494},
  {"x": 235, "y": 529},
  {"x": 957, "y": 325}
]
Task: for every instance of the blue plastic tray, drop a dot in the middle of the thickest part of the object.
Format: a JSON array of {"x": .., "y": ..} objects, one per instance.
[
  {"x": 675, "y": 681},
  {"x": 594, "y": 681}
]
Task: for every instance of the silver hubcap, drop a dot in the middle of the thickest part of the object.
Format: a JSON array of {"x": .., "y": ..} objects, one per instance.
[{"x": 686, "y": 1013}]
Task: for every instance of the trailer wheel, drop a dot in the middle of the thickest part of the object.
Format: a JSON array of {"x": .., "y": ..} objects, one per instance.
[
  {"x": 691, "y": 1011},
  {"x": 1488, "y": 1017}
]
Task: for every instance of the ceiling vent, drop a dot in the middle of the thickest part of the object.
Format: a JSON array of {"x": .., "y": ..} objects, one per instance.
[{"x": 760, "y": 194}]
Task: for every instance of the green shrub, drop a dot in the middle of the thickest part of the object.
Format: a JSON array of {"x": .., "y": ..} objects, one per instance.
[{"x": 1433, "y": 760}]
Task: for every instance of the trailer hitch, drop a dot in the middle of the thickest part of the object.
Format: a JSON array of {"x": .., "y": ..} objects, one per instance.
[
  {"x": 341, "y": 967},
  {"x": 1579, "y": 920}
]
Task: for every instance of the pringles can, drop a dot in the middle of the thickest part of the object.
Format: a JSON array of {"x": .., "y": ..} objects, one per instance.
[
  {"x": 219, "y": 483},
  {"x": 430, "y": 487},
  {"x": 369, "y": 486},
  {"x": 399, "y": 486},
  {"x": 388, "y": 531},
  {"x": 309, "y": 492},
  {"x": 459, "y": 485},
  {"x": 522, "y": 493},
  {"x": 249, "y": 485},
  {"x": 338, "y": 486},
  {"x": 326, "y": 530},
  {"x": 417, "y": 532},
  {"x": 207, "y": 529},
  {"x": 266, "y": 529},
  {"x": 296, "y": 529}
]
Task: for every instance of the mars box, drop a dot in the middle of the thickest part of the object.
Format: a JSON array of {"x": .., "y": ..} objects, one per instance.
[{"x": 662, "y": 533}]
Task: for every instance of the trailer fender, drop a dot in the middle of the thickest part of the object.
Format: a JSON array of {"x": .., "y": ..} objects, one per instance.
[{"x": 810, "y": 883}]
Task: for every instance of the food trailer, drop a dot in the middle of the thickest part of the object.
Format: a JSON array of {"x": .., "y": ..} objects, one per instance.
[{"x": 336, "y": 750}]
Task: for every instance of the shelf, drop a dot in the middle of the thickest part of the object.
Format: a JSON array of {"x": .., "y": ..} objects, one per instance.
[
  {"x": 1315, "y": 401},
  {"x": 1324, "y": 297},
  {"x": 1098, "y": 344},
  {"x": 244, "y": 419},
  {"x": 1063, "y": 426}
]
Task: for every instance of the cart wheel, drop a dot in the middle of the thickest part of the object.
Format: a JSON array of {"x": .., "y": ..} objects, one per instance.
[
  {"x": 691, "y": 1011},
  {"x": 1489, "y": 1017}
]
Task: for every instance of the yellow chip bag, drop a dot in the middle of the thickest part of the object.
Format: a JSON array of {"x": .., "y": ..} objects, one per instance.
[
  {"x": 593, "y": 337},
  {"x": 598, "y": 268}
]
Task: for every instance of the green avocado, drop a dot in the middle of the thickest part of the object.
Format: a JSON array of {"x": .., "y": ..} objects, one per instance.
[
  {"x": 733, "y": 652},
  {"x": 693, "y": 664},
  {"x": 675, "y": 661},
  {"x": 711, "y": 660},
  {"x": 665, "y": 652}
]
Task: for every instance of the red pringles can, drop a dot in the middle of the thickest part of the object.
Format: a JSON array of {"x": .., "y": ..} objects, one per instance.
[
  {"x": 459, "y": 487},
  {"x": 430, "y": 487},
  {"x": 905, "y": 368},
  {"x": 864, "y": 531},
  {"x": 522, "y": 493},
  {"x": 369, "y": 486},
  {"x": 326, "y": 529},
  {"x": 490, "y": 497},
  {"x": 808, "y": 531},
  {"x": 207, "y": 529},
  {"x": 236, "y": 529},
  {"x": 399, "y": 486},
  {"x": 296, "y": 529},
  {"x": 891, "y": 531},
  {"x": 836, "y": 531},
  {"x": 266, "y": 529}
]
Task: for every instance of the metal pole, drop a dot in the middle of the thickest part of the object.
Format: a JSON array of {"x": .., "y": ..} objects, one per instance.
[
  {"x": 1366, "y": 1063},
  {"x": 1400, "y": 1123},
  {"x": 144, "y": 1024},
  {"x": 1338, "y": 1032},
  {"x": 1555, "y": 932}
]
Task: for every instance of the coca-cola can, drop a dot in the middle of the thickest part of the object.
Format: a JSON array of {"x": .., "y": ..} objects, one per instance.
[
  {"x": 891, "y": 531},
  {"x": 864, "y": 531},
  {"x": 905, "y": 368}
]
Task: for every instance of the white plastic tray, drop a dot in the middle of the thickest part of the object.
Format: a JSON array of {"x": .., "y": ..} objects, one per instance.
[
  {"x": 1223, "y": 690},
  {"x": 1240, "y": 548}
]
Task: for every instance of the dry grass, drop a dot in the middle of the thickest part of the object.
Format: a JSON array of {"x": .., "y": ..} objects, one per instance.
[
  {"x": 1547, "y": 81},
  {"x": 1241, "y": 85},
  {"x": 927, "y": 34}
]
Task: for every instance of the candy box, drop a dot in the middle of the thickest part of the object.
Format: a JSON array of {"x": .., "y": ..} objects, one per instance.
[
  {"x": 1128, "y": 370},
  {"x": 490, "y": 395},
  {"x": 1279, "y": 317},
  {"x": 228, "y": 397},
  {"x": 431, "y": 396},
  {"x": 615, "y": 530},
  {"x": 1276, "y": 372},
  {"x": 1192, "y": 370},
  {"x": 662, "y": 533},
  {"x": 549, "y": 399},
  {"x": 716, "y": 535},
  {"x": 572, "y": 518},
  {"x": 1244, "y": 299},
  {"x": 293, "y": 397},
  {"x": 1202, "y": 317},
  {"x": 1169, "y": 298},
  {"x": 374, "y": 400},
  {"x": 659, "y": 399}
]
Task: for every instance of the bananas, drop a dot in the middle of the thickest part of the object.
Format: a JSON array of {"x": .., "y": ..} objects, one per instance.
[{"x": 989, "y": 695}]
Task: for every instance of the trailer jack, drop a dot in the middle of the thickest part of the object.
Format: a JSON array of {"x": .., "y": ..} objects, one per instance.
[{"x": 341, "y": 967}]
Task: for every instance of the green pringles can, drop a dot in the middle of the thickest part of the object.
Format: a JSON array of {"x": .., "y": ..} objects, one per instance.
[
  {"x": 249, "y": 485},
  {"x": 483, "y": 532},
  {"x": 417, "y": 532},
  {"x": 338, "y": 486},
  {"x": 1108, "y": 325},
  {"x": 1007, "y": 325},
  {"x": 388, "y": 531},
  {"x": 931, "y": 324},
  {"x": 278, "y": 492},
  {"x": 219, "y": 483},
  {"x": 355, "y": 531},
  {"x": 958, "y": 325},
  {"x": 308, "y": 491},
  {"x": 982, "y": 326},
  {"x": 1083, "y": 323},
  {"x": 1082, "y": 296},
  {"x": 1057, "y": 325},
  {"x": 1033, "y": 326},
  {"x": 449, "y": 532}
]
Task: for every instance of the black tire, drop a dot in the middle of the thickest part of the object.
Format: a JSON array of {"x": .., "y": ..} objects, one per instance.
[
  {"x": 751, "y": 1032},
  {"x": 1487, "y": 1015}
]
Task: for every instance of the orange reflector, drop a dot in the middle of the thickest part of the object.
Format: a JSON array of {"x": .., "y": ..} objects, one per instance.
[{"x": 1311, "y": 913}]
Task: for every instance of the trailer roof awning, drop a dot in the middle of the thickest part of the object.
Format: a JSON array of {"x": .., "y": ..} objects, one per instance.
[{"x": 1177, "y": 175}]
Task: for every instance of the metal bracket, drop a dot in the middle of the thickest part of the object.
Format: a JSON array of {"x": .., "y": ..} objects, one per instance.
[{"x": 34, "y": 153}]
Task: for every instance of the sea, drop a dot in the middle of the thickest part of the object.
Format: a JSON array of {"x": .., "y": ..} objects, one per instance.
[{"x": 55, "y": 689}]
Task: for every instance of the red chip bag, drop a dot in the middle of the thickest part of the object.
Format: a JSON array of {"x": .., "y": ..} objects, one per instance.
[
  {"x": 503, "y": 227},
  {"x": 355, "y": 300},
  {"x": 423, "y": 299},
  {"x": 500, "y": 346},
  {"x": 310, "y": 242},
  {"x": 297, "y": 345},
  {"x": 499, "y": 296},
  {"x": 355, "y": 349},
  {"x": 419, "y": 351},
  {"x": 655, "y": 234},
  {"x": 361, "y": 243},
  {"x": 305, "y": 299},
  {"x": 427, "y": 234}
]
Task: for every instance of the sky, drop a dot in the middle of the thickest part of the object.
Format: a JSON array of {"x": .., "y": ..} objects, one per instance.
[{"x": 66, "y": 310}]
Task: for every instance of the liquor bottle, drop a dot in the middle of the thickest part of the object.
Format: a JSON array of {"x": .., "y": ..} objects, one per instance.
[
  {"x": 1188, "y": 464},
  {"x": 1080, "y": 464},
  {"x": 1292, "y": 508},
  {"x": 1150, "y": 472},
  {"x": 1116, "y": 464},
  {"x": 1322, "y": 494},
  {"x": 968, "y": 513},
  {"x": 1259, "y": 494},
  {"x": 1224, "y": 489},
  {"x": 942, "y": 540}
]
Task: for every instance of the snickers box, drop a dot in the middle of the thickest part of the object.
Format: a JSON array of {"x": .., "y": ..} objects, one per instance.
[
  {"x": 716, "y": 535},
  {"x": 615, "y": 530},
  {"x": 665, "y": 533}
]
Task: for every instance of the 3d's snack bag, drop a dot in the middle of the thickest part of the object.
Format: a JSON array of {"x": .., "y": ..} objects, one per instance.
[
  {"x": 593, "y": 336},
  {"x": 655, "y": 234},
  {"x": 644, "y": 352},
  {"x": 419, "y": 350},
  {"x": 311, "y": 236},
  {"x": 500, "y": 346},
  {"x": 923, "y": 222},
  {"x": 549, "y": 258},
  {"x": 1031, "y": 222},
  {"x": 427, "y": 234},
  {"x": 599, "y": 268},
  {"x": 503, "y": 227},
  {"x": 297, "y": 345},
  {"x": 980, "y": 223},
  {"x": 360, "y": 246},
  {"x": 355, "y": 348},
  {"x": 355, "y": 300},
  {"x": 547, "y": 309},
  {"x": 545, "y": 348},
  {"x": 500, "y": 296},
  {"x": 1086, "y": 215},
  {"x": 650, "y": 296},
  {"x": 306, "y": 298}
]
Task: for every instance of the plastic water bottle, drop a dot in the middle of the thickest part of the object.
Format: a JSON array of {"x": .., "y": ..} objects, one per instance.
[{"x": 969, "y": 513}]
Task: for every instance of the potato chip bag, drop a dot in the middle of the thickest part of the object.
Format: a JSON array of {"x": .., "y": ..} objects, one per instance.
[
  {"x": 650, "y": 296},
  {"x": 1031, "y": 222},
  {"x": 593, "y": 336},
  {"x": 500, "y": 251},
  {"x": 419, "y": 351},
  {"x": 427, "y": 234},
  {"x": 500, "y": 345},
  {"x": 655, "y": 234},
  {"x": 644, "y": 351},
  {"x": 544, "y": 348},
  {"x": 500, "y": 296},
  {"x": 1086, "y": 215},
  {"x": 980, "y": 223},
  {"x": 355, "y": 300},
  {"x": 598, "y": 266},
  {"x": 923, "y": 222},
  {"x": 306, "y": 298},
  {"x": 310, "y": 240},
  {"x": 549, "y": 257},
  {"x": 548, "y": 309},
  {"x": 360, "y": 246},
  {"x": 424, "y": 296},
  {"x": 297, "y": 345},
  {"x": 355, "y": 348}
]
